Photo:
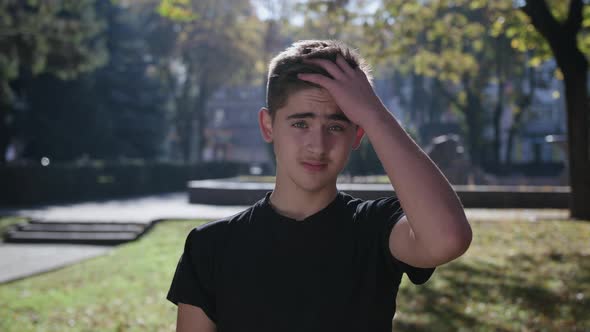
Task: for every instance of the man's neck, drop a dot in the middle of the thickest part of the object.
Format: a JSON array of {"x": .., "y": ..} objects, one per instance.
[{"x": 295, "y": 203}]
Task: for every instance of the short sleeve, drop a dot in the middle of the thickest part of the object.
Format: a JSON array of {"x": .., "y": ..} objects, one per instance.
[
  {"x": 192, "y": 281},
  {"x": 389, "y": 212}
]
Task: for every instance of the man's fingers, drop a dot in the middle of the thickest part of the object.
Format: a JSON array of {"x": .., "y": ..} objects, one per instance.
[
  {"x": 318, "y": 79},
  {"x": 332, "y": 68},
  {"x": 344, "y": 65}
]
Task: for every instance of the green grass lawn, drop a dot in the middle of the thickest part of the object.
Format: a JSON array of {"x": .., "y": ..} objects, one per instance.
[
  {"x": 7, "y": 222},
  {"x": 517, "y": 276}
]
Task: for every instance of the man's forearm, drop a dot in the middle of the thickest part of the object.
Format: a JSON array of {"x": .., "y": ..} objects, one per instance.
[{"x": 431, "y": 205}]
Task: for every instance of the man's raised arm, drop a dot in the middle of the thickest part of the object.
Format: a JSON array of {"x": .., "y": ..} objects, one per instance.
[{"x": 435, "y": 229}]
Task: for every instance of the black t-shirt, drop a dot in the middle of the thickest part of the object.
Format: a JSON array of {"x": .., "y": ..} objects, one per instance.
[{"x": 261, "y": 271}]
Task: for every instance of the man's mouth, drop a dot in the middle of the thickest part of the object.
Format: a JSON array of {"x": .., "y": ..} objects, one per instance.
[{"x": 314, "y": 166}]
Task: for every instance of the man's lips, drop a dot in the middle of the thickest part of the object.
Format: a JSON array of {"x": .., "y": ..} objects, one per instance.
[{"x": 314, "y": 165}]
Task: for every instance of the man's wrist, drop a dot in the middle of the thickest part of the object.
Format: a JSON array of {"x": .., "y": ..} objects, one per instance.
[{"x": 376, "y": 118}]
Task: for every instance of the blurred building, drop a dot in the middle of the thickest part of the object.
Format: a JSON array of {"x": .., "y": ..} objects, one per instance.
[{"x": 232, "y": 132}]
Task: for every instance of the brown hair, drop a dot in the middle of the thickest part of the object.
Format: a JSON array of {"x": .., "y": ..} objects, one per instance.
[{"x": 283, "y": 68}]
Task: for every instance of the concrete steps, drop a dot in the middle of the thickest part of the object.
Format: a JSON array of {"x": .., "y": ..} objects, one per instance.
[{"x": 96, "y": 233}]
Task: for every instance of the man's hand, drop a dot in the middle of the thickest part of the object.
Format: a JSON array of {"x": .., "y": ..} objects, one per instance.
[{"x": 349, "y": 88}]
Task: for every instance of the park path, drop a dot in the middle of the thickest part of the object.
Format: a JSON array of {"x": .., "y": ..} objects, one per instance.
[
  {"x": 18, "y": 261},
  {"x": 143, "y": 209}
]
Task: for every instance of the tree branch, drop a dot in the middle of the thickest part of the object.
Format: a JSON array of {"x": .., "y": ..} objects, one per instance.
[{"x": 541, "y": 18}]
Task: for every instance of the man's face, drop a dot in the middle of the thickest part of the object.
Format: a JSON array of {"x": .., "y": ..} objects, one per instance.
[{"x": 312, "y": 139}]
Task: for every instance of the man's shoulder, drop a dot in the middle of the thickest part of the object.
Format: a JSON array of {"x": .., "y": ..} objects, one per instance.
[
  {"x": 373, "y": 212},
  {"x": 240, "y": 217},
  {"x": 359, "y": 205},
  {"x": 218, "y": 226}
]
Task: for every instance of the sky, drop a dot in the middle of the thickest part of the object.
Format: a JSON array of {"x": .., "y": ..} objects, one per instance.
[{"x": 357, "y": 6}]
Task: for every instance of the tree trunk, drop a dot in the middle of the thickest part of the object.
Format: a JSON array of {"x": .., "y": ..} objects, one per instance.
[
  {"x": 498, "y": 111},
  {"x": 473, "y": 114},
  {"x": 578, "y": 142},
  {"x": 510, "y": 143},
  {"x": 184, "y": 123},
  {"x": 185, "y": 138},
  {"x": 523, "y": 102},
  {"x": 562, "y": 38},
  {"x": 418, "y": 101},
  {"x": 4, "y": 133},
  {"x": 201, "y": 114}
]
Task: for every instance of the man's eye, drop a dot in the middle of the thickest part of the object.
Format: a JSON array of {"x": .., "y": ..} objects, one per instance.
[
  {"x": 336, "y": 128},
  {"x": 300, "y": 124}
]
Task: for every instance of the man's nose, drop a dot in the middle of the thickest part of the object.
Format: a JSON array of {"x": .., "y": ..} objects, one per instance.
[{"x": 317, "y": 141}]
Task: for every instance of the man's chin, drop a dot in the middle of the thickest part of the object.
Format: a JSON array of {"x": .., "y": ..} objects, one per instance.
[{"x": 316, "y": 185}]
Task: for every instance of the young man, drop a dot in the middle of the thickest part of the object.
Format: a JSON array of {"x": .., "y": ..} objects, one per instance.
[{"x": 308, "y": 257}]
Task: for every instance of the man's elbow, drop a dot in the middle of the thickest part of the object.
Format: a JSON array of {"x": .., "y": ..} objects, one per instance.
[
  {"x": 461, "y": 240},
  {"x": 454, "y": 244}
]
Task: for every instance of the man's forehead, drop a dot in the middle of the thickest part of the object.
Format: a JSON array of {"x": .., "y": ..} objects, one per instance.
[
  {"x": 318, "y": 95},
  {"x": 317, "y": 101},
  {"x": 294, "y": 112}
]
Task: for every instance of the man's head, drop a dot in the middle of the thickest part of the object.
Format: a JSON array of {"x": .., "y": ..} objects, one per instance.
[
  {"x": 283, "y": 68},
  {"x": 311, "y": 136}
]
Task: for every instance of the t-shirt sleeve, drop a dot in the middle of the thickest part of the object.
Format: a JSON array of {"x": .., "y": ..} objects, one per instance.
[
  {"x": 192, "y": 281},
  {"x": 388, "y": 212}
]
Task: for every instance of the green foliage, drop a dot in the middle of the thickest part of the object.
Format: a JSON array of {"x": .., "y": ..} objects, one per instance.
[
  {"x": 59, "y": 37},
  {"x": 63, "y": 38},
  {"x": 177, "y": 10},
  {"x": 428, "y": 36},
  {"x": 222, "y": 43},
  {"x": 115, "y": 112},
  {"x": 215, "y": 43}
]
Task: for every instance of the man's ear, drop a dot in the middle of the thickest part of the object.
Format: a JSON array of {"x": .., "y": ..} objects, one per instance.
[
  {"x": 358, "y": 138},
  {"x": 265, "y": 124}
]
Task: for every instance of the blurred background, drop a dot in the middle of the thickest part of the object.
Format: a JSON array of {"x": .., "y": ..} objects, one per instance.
[
  {"x": 141, "y": 95},
  {"x": 108, "y": 108}
]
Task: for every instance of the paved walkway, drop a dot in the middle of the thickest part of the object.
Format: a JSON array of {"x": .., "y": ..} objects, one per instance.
[
  {"x": 21, "y": 260},
  {"x": 143, "y": 209}
]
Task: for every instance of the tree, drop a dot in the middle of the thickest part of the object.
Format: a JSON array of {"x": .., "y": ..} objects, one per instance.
[
  {"x": 58, "y": 37},
  {"x": 563, "y": 40},
  {"x": 216, "y": 42},
  {"x": 449, "y": 43},
  {"x": 114, "y": 112}
]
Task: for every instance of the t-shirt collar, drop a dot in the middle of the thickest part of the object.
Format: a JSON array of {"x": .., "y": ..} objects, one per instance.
[{"x": 268, "y": 209}]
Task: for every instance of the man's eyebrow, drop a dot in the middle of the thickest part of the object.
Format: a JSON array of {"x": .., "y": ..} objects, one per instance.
[
  {"x": 334, "y": 116},
  {"x": 338, "y": 116},
  {"x": 301, "y": 115}
]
